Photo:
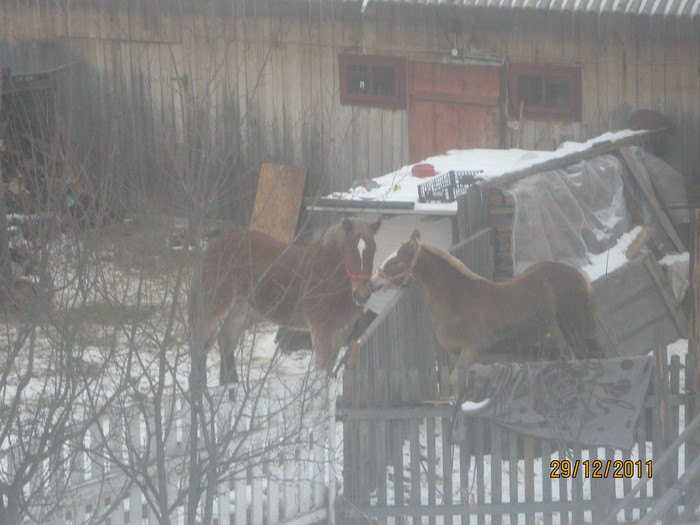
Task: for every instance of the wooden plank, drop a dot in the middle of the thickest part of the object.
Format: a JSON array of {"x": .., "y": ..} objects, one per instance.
[
  {"x": 503, "y": 508},
  {"x": 432, "y": 464},
  {"x": 496, "y": 470},
  {"x": 563, "y": 487},
  {"x": 256, "y": 510},
  {"x": 692, "y": 360},
  {"x": 365, "y": 468},
  {"x": 380, "y": 467},
  {"x": 466, "y": 450},
  {"x": 529, "y": 460},
  {"x": 278, "y": 200},
  {"x": 415, "y": 466},
  {"x": 546, "y": 478},
  {"x": 397, "y": 462},
  {"x": 273, "y": 495},
  {"x": 513, "y": 481},
  {"x": 241, "y": 508},
  {"x": 447, "y": 461},
  {"x": 577, "y": 486},
  {"x": 659, "y": 463},
  {"x": 666, "y": 294},
  {"x": 479, "y": 459},
  {"x": 637, "y": 171},
  {"x": 665, "y": 502}
]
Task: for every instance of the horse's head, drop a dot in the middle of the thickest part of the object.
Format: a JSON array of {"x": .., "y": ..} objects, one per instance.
[
  {"x": 359, "y": 248},
  {"x": 397, "y": 270}
]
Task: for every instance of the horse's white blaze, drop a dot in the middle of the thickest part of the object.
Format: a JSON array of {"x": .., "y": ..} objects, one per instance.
[{"x": 361, "y": 245}]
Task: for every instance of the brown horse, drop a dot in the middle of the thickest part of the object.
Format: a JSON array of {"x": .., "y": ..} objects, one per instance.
[
  {"x": 318, "y": 287},
  {"x": 472, "y": 314}
]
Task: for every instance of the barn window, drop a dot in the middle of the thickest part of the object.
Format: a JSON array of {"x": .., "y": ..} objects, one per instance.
[
  {"x": 371, "y": 80},
  {"x": 545, "y": 92}
]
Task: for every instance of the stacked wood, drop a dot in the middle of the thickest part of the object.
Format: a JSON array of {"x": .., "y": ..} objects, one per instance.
[{"x": 501, "y": 212}]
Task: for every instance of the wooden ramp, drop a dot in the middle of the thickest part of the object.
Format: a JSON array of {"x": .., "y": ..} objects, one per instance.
[{"x": 637, "y": 309}]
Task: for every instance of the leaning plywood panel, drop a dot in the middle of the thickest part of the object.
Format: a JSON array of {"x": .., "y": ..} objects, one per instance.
[
  {"x": 636, "y": 309},
  {"x": 278, "y": 200}
]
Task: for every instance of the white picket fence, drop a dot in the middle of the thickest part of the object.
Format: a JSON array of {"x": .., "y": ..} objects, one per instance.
[{"x": 278, "y": 448}]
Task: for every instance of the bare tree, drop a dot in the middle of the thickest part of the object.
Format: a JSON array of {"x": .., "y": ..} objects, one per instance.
[{"x": 104, "y": 405}]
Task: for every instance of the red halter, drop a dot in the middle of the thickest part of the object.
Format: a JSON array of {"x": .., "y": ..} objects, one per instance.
[
  {"x": 406, "y": 275},
  {"x": 355, "y": 276}
]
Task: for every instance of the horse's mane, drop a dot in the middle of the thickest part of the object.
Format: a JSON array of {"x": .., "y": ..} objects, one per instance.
[{"x": 452, "y": 261}]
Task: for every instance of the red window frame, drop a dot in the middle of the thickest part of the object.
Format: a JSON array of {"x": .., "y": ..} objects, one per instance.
[
  {"x": 544, "y": 110},
  {"x": 371, "y": 98}
]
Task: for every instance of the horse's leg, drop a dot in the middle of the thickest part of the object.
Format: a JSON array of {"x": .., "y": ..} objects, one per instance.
[
  {"x": 327, "y": 341},
  {"x": 229, "y": 336},
  {"x": 467, "y": 358}
]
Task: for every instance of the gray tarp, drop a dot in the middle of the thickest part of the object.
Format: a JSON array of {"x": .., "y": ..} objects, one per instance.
[{"x": 592, "y": 402}]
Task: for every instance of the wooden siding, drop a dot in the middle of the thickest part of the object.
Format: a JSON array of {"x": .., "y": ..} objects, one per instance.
[{"x": 264, "y": 75}]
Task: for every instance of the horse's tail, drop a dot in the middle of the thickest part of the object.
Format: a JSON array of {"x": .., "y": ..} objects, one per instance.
[{"x": 576, "y": 318}]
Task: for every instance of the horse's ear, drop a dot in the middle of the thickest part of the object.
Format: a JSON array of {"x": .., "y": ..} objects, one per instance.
[
  {"x": 415, "y": 235},
  {"x": 347, "y": 225},
  {"x": 375, "y": 226}
]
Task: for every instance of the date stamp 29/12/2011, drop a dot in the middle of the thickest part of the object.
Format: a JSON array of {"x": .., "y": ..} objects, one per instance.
[{"x": 600, "y": 469}]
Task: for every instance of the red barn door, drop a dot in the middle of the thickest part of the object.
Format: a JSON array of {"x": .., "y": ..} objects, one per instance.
[{"x": 452, "y": 107}]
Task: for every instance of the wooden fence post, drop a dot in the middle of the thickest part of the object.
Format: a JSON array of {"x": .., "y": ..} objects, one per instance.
[{"x": 691, "y": 365}]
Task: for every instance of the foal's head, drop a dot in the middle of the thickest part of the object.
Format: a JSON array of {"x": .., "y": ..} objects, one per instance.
[
  {"x": 397, "y": 270},
  {"x": 358, "y": 249}
]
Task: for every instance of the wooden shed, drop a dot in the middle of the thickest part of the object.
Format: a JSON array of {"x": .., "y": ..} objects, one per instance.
[{"x": 354, "y": 89}]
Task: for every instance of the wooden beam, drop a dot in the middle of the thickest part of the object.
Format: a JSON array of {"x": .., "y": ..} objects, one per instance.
[
  {"x": 692, "y": 359},
  {"x": 598, "y": 149},
  {"x": 648, "y": 191},
  {"x": 670, "y": 301}
]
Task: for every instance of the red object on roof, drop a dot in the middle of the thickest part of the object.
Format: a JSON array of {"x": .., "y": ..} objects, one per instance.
[{"x": 423, "y": 170}]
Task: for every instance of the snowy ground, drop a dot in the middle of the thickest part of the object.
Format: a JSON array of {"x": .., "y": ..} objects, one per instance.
[{"x": 143, "y": 299}]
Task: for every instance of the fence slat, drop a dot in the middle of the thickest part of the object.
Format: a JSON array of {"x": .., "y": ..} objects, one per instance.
[
  {"x": 432, "y": 464},
  {"x": 466, "y": 450},
  {"x": 381, "y": 463},
  {"x": 513, "y": 471},
  {"x": 447, "y": 462},
  {"x": 483, "y": 449},
  {"x": 496, "y": 470},
  {"x": 546, "y": 478},
  {"x": 415, "y": 465},
  {"x": 273, "y": 493},
  {"x": 397, "y": 462}
]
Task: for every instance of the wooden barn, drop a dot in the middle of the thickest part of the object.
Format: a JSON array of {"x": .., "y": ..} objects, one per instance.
[
  {"x": 351, "y": 89},
  {"x": 181, "y": 102}
]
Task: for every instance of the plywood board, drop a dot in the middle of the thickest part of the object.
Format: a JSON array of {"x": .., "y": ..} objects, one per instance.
[{"x": 278, "y": 200}]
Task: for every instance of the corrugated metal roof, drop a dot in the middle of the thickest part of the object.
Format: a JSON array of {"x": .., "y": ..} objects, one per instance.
[{"x": 657, "y": 8}]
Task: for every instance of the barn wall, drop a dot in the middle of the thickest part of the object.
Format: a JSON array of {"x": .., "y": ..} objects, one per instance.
[{"x": 264, "y": 80}]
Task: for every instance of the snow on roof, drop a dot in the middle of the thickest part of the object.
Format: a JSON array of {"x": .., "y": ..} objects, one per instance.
[
  {"x": 402, "y": 186},
  {"x": 665, "y": 8}
]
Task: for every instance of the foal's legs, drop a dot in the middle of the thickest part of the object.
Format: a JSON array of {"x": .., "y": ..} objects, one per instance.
[
  {"x": 229, "y": 336},
  {"x": 467, "y": 358}
]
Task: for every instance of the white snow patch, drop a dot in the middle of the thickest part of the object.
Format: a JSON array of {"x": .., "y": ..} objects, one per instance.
[{"x": 612, "y": 259}]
